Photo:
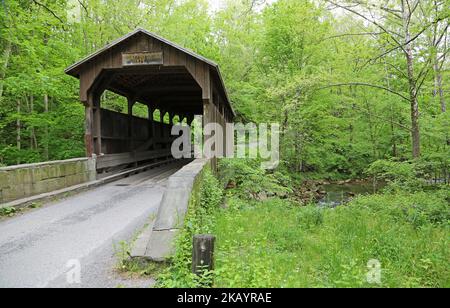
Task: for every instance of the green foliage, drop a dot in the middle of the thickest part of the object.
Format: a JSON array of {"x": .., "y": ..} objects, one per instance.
[
  {"x": 250, "y": 179},
  {"x": 278, "y": 245},
  {"x": 410, "y": 175},
  {"x": 205, "y": 200},
  {"x": 418, "y": 209},
  {"x": 8, "y": 211},
  {"x": 400, "y": 174},
  {"x": 311, "y": 216},
  {"x": 276, "y": 59},
  {"x": 211, "y": 194}
]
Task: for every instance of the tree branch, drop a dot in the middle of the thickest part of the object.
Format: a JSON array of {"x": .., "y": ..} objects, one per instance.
[
  {"x": 408, "y": 128},
  {"x": 83, "y": 6},
  {"x": 365, "y": 85},
  {"x": 426, "y": 69},
  {"x": 50, "y": 11},
  {"x": 410, "y": 41},
  {"x": 444, "y": 32},
  {"x": 352, "y": 34},
  {"x": 400, "y": 45},
  {"x": 397, "y": 69}
]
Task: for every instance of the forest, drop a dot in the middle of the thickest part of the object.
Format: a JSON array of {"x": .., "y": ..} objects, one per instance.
[
  {"x": 360, "y": 89},
  {"x": 351, "y": 82}
]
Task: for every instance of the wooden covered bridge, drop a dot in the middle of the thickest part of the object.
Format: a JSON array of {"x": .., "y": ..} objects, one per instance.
[
  {"x": 133, "y": 174},
  {"x": 147, "y": 69}
]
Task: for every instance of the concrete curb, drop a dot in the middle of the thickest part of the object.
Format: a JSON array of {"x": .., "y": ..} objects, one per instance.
[{"x": 158, "y": 244}]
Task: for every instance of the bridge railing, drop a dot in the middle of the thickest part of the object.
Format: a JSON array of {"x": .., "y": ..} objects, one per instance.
[
  {"x": 114, "y": 160},
  {"x": 22, "y": 181}
]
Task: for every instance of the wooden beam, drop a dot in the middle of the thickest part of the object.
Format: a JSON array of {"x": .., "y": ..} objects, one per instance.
[
  {"x": 172, "y": 116},
  {"x": 175, "y": 98},
  {"x": 88, "y": 125},
  {"x": 172, "y": 89},
  {"x": 152, "y": 127},
  {"x": 98, "y": 124},
  {"x": 190, "y": 119},
  {"x": 131, "y": 102},
  {"x": 113, "y": 160}
]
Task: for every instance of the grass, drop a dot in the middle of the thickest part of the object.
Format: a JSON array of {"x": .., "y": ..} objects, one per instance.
[
  {"x": 136, "y": 267},
  {"x": 9, "y": 212},
  {"x": 278, "y": 244}
]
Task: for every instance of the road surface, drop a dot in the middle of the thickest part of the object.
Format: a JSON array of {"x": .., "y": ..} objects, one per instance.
[{"x": 44, "y": 247}]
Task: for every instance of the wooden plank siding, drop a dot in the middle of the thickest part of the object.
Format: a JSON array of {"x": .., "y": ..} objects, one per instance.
[
  {"x": 116, "y": 136},
  {"x": 185, "y": 84},
  {"x": 112, "y": 59}
]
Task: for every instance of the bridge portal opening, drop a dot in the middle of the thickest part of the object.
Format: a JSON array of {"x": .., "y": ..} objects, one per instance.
[{"x": 174, "y": 85}]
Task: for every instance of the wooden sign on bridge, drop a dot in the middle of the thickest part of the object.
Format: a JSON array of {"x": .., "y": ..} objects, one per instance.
[{"x": 142, "y": 58}]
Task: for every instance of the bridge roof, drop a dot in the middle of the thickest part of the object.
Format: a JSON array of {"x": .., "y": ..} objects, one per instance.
[{"x": 76, "y": 69}]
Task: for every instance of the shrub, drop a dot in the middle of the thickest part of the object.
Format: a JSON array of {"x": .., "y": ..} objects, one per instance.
[
  {"x": 251, "y": 179},
  {"x": 419, "y": 208},
  {"x": 409, "y": 175},
  {"x": 212, "y": 193}
]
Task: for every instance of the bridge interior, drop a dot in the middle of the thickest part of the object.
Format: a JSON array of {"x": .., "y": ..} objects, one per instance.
[{"x": 146, "y": 69}]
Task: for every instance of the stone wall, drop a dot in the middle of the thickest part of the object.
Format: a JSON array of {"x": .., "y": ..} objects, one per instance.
[{"x": 22, "y": 181}]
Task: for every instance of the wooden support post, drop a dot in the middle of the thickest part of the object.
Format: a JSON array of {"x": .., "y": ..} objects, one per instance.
[
  {"x": 151, "y": 125},
  {"x": 131, "y": 102},
  {"x": 203, "y": 254},
  {"x": 189, "y": 119},
  {"x": 98, "y": 124},
  {"x": 88, "y": 122},
  {"x": 162, "y": 113},
  {"x": 150, "y": 113}
]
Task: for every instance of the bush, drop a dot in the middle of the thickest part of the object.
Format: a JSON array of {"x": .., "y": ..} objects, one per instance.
[
  {"x": 212, "y": 193},
  {"x": 419, "y": 209},
  {"x": 250, "y": 179}
]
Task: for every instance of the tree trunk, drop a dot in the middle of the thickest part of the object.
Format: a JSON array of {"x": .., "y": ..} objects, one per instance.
[
  {"x": 438, "y": 90},
  {"x": 371, "y": 129},
  {"x": 6, "y": 57},
  {"x": 18, "y": 128},
  {"x": 392, "y": 114},
  {"x": 415, "y": 132},
  {"x": 46, "y": 128},
  {"x": 33, "y": 141}
]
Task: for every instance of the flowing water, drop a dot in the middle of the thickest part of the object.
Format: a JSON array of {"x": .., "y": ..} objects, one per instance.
[{"x": 338, "y": 194}]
